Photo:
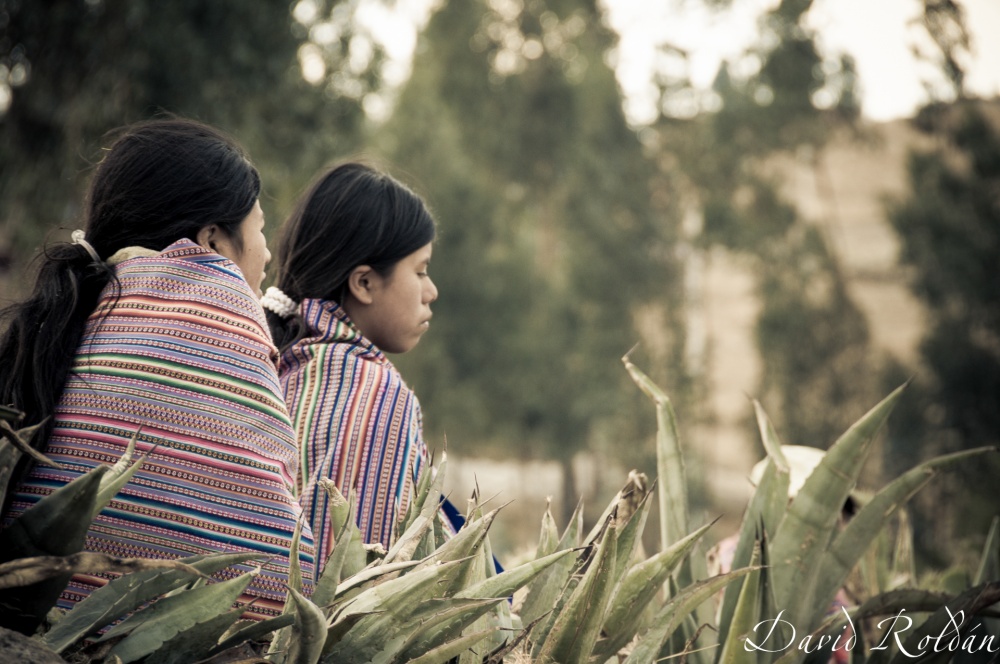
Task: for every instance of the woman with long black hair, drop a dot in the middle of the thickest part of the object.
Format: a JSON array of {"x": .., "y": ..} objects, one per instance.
[{"x": 149, "y": 319}]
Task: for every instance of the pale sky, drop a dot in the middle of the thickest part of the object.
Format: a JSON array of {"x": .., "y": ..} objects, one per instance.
[{"x": 891, "y": 78}]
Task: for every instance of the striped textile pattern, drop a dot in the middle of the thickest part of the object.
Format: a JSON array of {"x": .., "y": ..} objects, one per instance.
[
  {"x": 357, "y": 422},
  {"x": 184, "y": 353}
]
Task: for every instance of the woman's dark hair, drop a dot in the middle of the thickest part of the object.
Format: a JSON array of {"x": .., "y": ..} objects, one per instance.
[
  {"x": 351, "y": 215},
  {"x": 160, "y": 181}
]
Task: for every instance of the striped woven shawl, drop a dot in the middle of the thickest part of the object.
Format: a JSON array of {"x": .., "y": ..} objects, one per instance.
[
  {"x": 183, "y": 352},
  {"x": 357, "y": 422}
]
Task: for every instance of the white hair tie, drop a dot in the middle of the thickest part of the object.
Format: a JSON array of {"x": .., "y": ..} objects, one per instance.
[
  {"x": 77, "y": 236},
  {"x": 275, "y": 300}
]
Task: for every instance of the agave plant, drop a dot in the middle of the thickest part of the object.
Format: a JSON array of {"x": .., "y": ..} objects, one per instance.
[
  {"x": 586, "y": 597},
  {"x": 800, "y": 557}
]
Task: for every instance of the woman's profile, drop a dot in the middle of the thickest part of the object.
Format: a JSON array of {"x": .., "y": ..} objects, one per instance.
[
  {"x": 149, "y": 319},
  {"x": 353, "y": 285}
]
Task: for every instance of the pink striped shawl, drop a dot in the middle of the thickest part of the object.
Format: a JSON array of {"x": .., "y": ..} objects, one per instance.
[
  {"x": 184, "y": 352},
  {"x": 356, "y": 420}
]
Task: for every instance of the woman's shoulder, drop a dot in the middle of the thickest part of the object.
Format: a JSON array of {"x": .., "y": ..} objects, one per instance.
[{"x": 186, "y": 274}]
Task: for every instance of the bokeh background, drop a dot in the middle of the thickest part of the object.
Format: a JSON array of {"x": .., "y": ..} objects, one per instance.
[{"x": 791, "y": 200}]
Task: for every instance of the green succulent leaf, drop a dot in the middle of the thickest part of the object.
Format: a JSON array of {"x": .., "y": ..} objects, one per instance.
[
  {"x": 577, "y": 627},
  {"x": 544, "y": 591},
  {"x": 746, "y": 615},
  {"x": 54, "y": 526},
  {"x": 148, "y": 630},
  {"x": 811, "y": 518},
  {"x": 28, "y": 571},
  {"x": 253, "y": 631},
  {"x": 455, "y": 648},
  {"x": 308, "y": 631},
  {"x": 669, "y": 461},
  {"x": 127, "y": 593},
  {"x": 195, "y": 642},
  {"x": 637, "y": 591},
  {"x": 118, "y": 476},
  {"x": 850, "y": 545},
  {"x": 675, "y": 611}
]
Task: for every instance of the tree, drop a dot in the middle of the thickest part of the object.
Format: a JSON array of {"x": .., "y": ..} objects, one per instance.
[
  {"x": 949, "y": 227},
  {"x": 812, "y": 339},
  {"x": 553, "y": 232},
  {"x": 84, "y": 68}
]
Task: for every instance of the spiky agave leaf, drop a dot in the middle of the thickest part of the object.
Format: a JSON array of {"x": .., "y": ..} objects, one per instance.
[
  {"x": 669, "y": 461},
  {"x": 812, "y": 516},
  {"x": 308, "y": 631},
  {"x": 637, "y": 590},
  {"x": 496, "y": 622},
  {"x": 545, "y": 590},
  {"x": 506, "y": 583},
  {"x": 427, "y": 496},
  {"x": 850, "y": 545},
  {"x": 746, "y": 615},
  {"x": 348, "y": 556},
  {"x": 455, "y": 648},
  {"x": 548, "y": 538},
  {"x": 630, "y": 534},
  {"x": 419, "y": 584},
  {"x": 29, "y": 571},
  {"x": 576, "y": 628},
  {"x": 148, "y": 630},
  {"x": 118, "y": 476},
  {"x": 406, "y": 629},
  {"x": 675, "y": 611},
  {"x": 54, "y": 526},
  {"x": 763, "y": 514},
  {"x": 21, "y": 441},
  {"x": 673, "y": 480},
  {"x": 195, "y": 642},
  {"x": 455, "y": 619},
  {"x": 127, "y": 593},
  {"x": 466, "y": 543},
  {"x": 253, "y": 630}
]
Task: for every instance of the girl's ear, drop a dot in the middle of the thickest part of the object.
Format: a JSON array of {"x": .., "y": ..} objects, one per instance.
[
  {"x": 362, "y": 283},
  {"x": 206, "y": 237}
]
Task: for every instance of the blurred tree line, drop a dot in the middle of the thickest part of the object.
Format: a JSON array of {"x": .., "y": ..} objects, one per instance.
[
  {"x": 75, "y": 69},
  {"x": 561, "y": 244},
  {"x": 949, "y": 228}
]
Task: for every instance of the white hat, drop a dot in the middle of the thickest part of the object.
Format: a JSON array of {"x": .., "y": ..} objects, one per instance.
[{"x": 802, "y": 461}]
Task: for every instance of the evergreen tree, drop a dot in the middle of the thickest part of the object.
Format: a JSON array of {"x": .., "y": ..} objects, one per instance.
[
  {"x": 812, "y": 339},
  {"x": 552, "y": 233},
  {"x": 83, "y": 68},
  {"x": 949, "y": 228}
]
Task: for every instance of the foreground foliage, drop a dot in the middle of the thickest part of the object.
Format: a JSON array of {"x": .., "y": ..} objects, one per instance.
[{"x": 585, "y": 597}]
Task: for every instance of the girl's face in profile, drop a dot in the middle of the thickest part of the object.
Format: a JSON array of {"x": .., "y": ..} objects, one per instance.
[
  {"x": 399, "y": 310},
  {"x": 254, "y": 255}
]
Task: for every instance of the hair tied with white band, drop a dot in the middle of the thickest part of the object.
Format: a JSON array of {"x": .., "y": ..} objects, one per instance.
[
  {"x": 78, "y": 238},
  {"x": 276, "y": 301}
]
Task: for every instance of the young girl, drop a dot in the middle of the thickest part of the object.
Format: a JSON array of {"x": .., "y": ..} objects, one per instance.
[
  {"x": 352, "y": 286},
  {"x": 149, "y": 319}
]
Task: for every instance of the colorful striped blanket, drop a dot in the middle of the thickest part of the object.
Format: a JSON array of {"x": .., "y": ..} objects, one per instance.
[
  {"x": 357, "y": 422},
  {"x": 184, "y": 353}
]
